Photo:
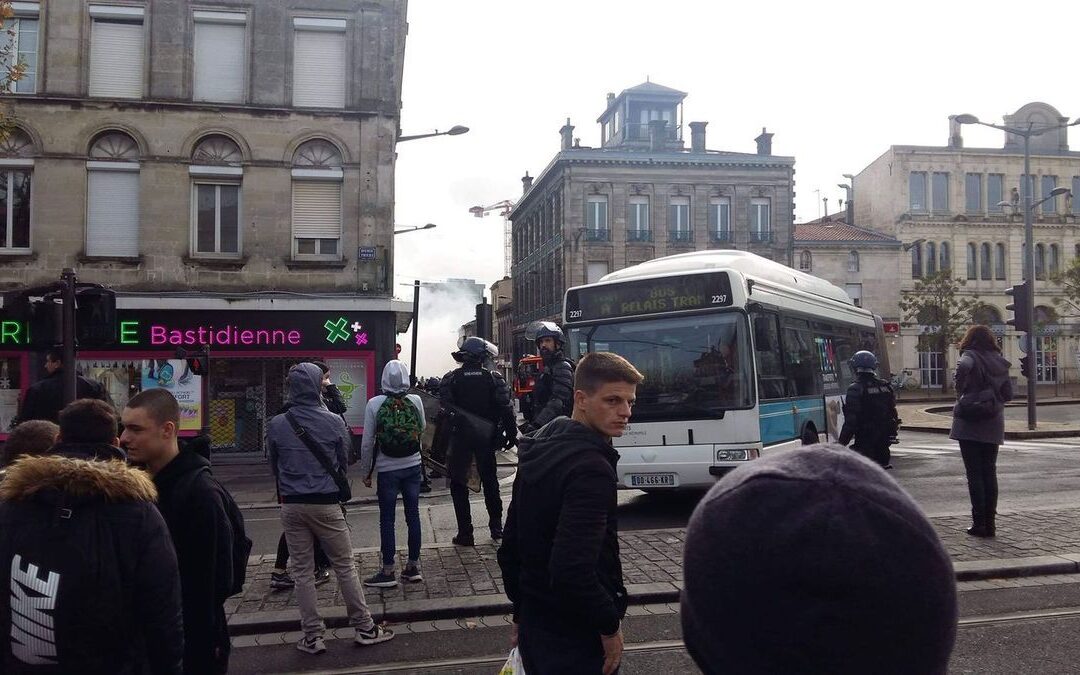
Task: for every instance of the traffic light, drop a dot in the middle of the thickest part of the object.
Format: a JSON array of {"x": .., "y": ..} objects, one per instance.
[
  {"x": 197, "y": 362},
  {"x": 1024, "y": 365},
  {"x": 95, "y": 316},
  {"x": 1019, "y": 306}
]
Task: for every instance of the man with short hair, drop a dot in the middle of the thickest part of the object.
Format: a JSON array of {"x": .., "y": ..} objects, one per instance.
[
  {"x": 33, "y": 437},
  {"x": 193, "y": 504},
  {"x": 45, "y": 398},
  {"x": 112, "y": 608},
  {"x": 560, "y": 559},
  {"x": 815, "y": 561}
]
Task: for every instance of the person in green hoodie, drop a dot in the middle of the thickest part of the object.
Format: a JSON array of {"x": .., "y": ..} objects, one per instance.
[{"x": 560, "y": 555}]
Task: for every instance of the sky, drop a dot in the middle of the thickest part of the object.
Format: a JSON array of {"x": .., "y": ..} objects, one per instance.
[{"x": 836, "y": 82}]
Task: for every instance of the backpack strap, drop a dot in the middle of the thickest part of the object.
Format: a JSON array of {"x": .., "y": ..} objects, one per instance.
[{"x": 309, "y": 443}]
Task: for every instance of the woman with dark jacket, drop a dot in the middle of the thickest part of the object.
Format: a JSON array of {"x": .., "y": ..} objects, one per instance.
[{"x": 981, "y": 367}]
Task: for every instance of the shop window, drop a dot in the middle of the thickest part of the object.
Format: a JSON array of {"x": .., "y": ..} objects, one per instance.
[
  {"x": 10, "y": 386},
  {"x": 123, "y": 378}
]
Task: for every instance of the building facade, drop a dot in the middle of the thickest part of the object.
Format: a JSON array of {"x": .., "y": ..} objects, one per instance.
[
  {"x": 227, "y": 167},
  {"x": 641, "y": 195},
  {"x": 960, "y": 208}
]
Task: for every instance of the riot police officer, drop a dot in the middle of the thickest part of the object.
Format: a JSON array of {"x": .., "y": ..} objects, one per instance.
[
  {"x": 554, "y": 392},
  {"x": 869, "y": 411},
  {"x": 478, "y": 389}
]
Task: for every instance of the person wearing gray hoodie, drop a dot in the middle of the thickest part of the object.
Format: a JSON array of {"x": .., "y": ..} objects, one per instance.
[
  {"x": 398, "y": 469},
  {"x": 981, "y": 367},
  {"x": 310, "y": 509}
]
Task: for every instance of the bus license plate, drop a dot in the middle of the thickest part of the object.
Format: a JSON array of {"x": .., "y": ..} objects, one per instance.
[{"x": 652, "y": 479}]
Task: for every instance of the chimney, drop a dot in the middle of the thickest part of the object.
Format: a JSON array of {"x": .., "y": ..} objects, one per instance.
[
  {"x": 567, "y": 133},
  {"x": 657, "y": 135},
  {"x": 697, "y": 137},
  {"x": 764, "y": 142},
  {"x": 955, "y": 139},
  {"x": 526, "y": 182},
  {"x": 610, "y": 99}
]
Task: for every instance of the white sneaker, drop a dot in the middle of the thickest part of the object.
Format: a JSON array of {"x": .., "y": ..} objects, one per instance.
[
  {"x": 314, "y": 645},
  {"x": 374, "y": 636}
]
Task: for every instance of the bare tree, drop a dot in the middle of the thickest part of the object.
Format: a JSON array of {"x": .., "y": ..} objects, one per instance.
[
  {"x": 936, "y": 304},
  {"x": 12, "y": 68}
]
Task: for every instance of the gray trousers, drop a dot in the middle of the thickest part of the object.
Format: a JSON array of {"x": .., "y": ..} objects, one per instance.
[{"x": 303, "y": 525}]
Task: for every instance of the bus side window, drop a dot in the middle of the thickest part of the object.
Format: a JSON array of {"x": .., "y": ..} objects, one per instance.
[
  {"x": 770, "y": 365},
  {"x": 803, "y": 366}
]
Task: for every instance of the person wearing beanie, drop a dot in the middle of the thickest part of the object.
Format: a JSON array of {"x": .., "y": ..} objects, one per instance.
[{"x": 815, "y": 561}]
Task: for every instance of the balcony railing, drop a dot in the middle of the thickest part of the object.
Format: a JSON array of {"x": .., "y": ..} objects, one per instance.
[
  {"x": 720, "y": 235},
  {"x": 761, "y": 237},
  {"x": 597, "y": 234},
  {"x": 638, "y": 235},
  {"x": 681, "y": 236}
]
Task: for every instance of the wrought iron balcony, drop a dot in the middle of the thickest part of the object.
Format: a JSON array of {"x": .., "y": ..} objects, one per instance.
[
  {"x": 597, "y": 234},
  {"x": 638, "y": 235},
  {"x": 682, "y": 236}
]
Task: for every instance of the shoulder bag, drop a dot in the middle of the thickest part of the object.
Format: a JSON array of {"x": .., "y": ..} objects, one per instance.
[
  {"x": 340, "y": 479},
  {"x": 980, "y": 404}
]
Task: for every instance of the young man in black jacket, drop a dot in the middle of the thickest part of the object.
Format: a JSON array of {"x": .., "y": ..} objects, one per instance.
[
  {"x": 193, "y": 505},
  {"x": 560, "y": 558},
  {"x": 91, "y": 582}
]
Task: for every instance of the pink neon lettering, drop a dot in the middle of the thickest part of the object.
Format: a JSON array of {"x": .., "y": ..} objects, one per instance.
[
  {"x": 246, "y": 337},
  {"x": 157, "y": 335},
  {"x": 294, "y": 337},
  {"x": 228, "y": 335}
]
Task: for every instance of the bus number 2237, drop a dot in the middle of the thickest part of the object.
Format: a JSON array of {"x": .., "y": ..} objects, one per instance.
[{"x": 719, "y": 299}]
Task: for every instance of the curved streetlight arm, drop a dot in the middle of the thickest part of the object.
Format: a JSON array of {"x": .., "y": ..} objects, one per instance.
[{"x": 455, "y": 130}]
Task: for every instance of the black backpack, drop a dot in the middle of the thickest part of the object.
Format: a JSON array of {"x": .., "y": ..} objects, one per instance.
[{"x": 241, "y": 545}]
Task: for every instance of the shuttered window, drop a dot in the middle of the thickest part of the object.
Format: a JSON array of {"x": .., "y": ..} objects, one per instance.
[
  {"x": 319, "y": 64},
  {"x": 112, "y": 213},
  {"x": 116, "y": 59},
  {"x": 220, "y": 57},
  {"x": 316, "y": 212}
]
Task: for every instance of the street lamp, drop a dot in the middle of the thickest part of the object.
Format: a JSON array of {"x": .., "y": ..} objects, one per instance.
[
  {"x": 1029, "y": 237},
  {"x": 455, "y": 130},
  {"x": 428, "y": 226}
]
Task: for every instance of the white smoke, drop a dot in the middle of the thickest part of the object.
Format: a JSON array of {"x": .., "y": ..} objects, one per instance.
[{"x": 444, "y": 307}]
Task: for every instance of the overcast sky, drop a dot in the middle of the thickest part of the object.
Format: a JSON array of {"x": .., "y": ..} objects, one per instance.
[{"x": 836, "y": 82}]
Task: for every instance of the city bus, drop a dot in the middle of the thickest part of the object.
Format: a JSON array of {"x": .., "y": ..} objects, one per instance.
[{"x": 741, "y": 356}]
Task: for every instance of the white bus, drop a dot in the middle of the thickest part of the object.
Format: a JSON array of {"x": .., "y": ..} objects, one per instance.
[{"x": 741, "y": 356}]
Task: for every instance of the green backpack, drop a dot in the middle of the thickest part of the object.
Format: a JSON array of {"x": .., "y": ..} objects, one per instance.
[{"x": 398, "y": 427}]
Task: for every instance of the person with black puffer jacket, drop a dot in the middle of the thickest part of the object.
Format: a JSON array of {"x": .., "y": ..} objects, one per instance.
[
  {"x": 91, "y": 578},
  {"x": 554, "y": 392},
  {"x": 560, "y": 556}
]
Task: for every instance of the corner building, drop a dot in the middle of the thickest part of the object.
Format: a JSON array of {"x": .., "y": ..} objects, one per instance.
[{"x": 228, "y": 168}]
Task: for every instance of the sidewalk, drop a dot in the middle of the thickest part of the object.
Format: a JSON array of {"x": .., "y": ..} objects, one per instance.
[
  {"x": 466, "y": 582},
  {"x": 936, "y": 417}
]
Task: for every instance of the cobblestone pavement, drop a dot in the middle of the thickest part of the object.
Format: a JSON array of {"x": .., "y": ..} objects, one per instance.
[{"x": 648, "y": 556}]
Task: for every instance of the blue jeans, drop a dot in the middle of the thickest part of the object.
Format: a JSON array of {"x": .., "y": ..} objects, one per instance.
[{"x": 390, "y": 483}]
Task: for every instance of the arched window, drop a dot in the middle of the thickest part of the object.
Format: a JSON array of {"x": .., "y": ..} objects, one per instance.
[
  {"x": 916, "y": 261},
  {"x": 17, "y": 143},
  {"x": 972, "y": 264},
  {"x": 999, "y": 263},
  {"x": 1055, "y": 260},
  {"x": 217, "y": 150},
  {"x": 316, "y": 201},
  {"x": 806, "y": 262},
  {"x": 945, "y": 255},
  {"x": 1040, "y": 261},
  {"x": 112, "y": 204},
  {"x": 15, "y": 187},
  {"x": 985, "y": 262},
  {"x": 216, "y": 177},
  {"x": 931, "y": 258},
  {"x": 853, "y": 261}
]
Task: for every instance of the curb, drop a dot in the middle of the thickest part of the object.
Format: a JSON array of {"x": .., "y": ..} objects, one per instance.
[
  {"x": 496, "y": 604},
  {"x": 1009, "y": 435}
]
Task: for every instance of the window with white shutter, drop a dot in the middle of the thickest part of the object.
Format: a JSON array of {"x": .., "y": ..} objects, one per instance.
[
  {"x": 220, "y": 56},
  {"x": 319, "y": 63},
  {"x": 117, "y": 44},
  {"x": 316, "y": 212},
  {"x": 112, "y": 196}
]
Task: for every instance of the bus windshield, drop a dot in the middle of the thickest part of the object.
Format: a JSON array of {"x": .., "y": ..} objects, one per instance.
[{"x": 694, "y": 367}]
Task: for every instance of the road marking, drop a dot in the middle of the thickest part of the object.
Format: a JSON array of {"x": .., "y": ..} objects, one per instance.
[{"x": 919, "y": 451}]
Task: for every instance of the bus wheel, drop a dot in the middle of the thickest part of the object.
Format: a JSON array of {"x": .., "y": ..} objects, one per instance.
[{"x": 809, "y": 435}]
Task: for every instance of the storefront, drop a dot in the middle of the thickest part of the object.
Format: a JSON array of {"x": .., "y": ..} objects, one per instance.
[{"x": 251, "y": 351}]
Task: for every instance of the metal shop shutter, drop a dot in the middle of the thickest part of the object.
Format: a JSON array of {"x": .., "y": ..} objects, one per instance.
[
  {"x": 116, "y": 59},
  {"x": 112, "y": 213},
  {"x": 219, "y": 62},
  {"x": 316, "y": 210},
  {"x": 319, "y": 69}
]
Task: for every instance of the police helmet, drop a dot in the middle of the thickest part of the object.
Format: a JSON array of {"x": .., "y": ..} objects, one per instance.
[
  {"x": 864, "y": 362},
  {"x": 544, "y": 329},
  {"x": 475, "y": 350}
]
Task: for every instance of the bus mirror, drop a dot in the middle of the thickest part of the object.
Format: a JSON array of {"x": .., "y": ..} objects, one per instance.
[{"x": 762, "y": 334}]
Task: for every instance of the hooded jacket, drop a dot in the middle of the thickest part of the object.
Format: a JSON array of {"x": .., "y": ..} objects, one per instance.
[
  {"x": 978, "y": 370},
  {"x": 84, "y": 538},
  {"x": 560, "y": 552},
  {"x": 395, "y": 380},
  {"x": 300, "y": 477}
]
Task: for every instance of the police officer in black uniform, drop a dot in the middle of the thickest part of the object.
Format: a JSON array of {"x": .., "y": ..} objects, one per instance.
[
  {"x": 869, "y": 411},
  {"x": 554, "y": 392},
  {"x": 476, "y": 388}
]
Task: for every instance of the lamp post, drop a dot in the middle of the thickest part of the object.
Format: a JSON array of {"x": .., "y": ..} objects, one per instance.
[
  {"x": 1026, "y": 198},
  {"x": 455, "y": 130},
  {"x": 428, "y": 226}
]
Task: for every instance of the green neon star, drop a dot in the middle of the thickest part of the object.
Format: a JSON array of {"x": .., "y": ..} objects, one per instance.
[{"x": 336, "y": 330}]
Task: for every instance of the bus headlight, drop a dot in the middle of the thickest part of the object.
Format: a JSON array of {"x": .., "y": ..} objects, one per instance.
[{"x": 731, "y": 455}]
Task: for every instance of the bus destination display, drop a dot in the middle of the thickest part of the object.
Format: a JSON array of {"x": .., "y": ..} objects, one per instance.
[{"x": 649, "y": 296}]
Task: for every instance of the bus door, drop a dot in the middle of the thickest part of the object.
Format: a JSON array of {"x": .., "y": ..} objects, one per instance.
[{"x": 775, "y": 411}]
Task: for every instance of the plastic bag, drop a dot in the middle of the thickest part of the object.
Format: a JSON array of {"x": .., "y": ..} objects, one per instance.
[{"x": 513, "y": 664}]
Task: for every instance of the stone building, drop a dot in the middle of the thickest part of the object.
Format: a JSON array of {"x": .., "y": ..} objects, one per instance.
[
  {"x": 223, "y": 165},
  {"x": 641, "y": 194},
  {"x": 959, "y": 208},
  {"x": 502, "y": 307}
]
